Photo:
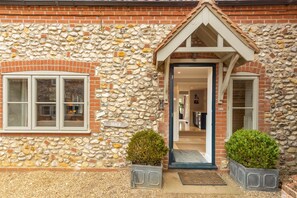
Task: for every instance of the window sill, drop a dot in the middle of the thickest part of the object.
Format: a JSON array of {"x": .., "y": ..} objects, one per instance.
[{"x": 46, "y": 132}]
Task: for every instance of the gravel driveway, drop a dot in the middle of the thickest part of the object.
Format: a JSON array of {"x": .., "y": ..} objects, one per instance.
[{"x": 86, "y": 184}]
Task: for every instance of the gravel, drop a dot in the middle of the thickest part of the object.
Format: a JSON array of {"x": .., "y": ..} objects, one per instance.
[{"x": 86, "y": 184}]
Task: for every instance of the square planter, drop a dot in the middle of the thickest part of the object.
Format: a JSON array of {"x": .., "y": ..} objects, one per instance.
[
  {"x": 145, "y": 176},
  {"x": 254, "y": 178}
]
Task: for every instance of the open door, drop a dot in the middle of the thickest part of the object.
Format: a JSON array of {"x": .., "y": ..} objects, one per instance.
[{"x": 192, "y": 116}]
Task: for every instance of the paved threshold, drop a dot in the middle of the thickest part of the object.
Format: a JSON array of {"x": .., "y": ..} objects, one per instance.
[{"x": 172, "y": 184}]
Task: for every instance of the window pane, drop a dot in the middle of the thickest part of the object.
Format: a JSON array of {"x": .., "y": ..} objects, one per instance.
[
  {"x": 74, "y": 115},
  {"x": 242, "y": 93},
  {"x": 242, "y": 118},
  {"x": 46, "y": 115},
  {"x": 46, "y": 90},
  {"x": 17, "y": 90},
  {"x": 74, "y": 90},
  {"x": 17, "y": 115}
]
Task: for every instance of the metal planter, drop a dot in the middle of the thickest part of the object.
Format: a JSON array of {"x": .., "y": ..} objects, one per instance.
[
  {"x": 254, "y": 178},
  {"x": 145, "y": 176}
]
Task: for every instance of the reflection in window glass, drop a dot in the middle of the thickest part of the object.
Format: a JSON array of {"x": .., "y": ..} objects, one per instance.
[
  {"x": 46, "y": 115},
  {"x": 46, "y": 102},
  {"x": 74, "y": 115},
  {"x": 242, "y": 93},
  {"x": 46, "y": 90},
  {"x": 242, "y": 118},
  {"x": 74, "y": 90}
]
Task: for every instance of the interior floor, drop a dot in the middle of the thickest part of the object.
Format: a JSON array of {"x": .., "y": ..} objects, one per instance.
[{"x": 191, "y": 144}]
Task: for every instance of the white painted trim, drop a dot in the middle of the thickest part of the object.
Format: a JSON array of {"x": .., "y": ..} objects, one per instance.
[
  {"x": 220, "y": 82},
  {"x": 194, "y": 60},
  {"x": 46, "y": 73},
  {"x": 244, "y": 74},
  {"x": 223, "y": 59},
  {"x": 168, "y": 49},
  {"x": 40, "y": 132},
  {"x": 228, "y": 74},
  {"x": 204, "y": 49},
  {"x": 166, "y": 79},
  {"x": 189, "y": 41},
  {"x": 220, "y": 42}
]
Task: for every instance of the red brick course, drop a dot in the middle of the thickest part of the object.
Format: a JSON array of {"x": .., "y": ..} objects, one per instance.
[{"x": 139, "y": 15}]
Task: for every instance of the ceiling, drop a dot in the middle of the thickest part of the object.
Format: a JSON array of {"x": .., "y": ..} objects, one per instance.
[{"x": 190, "y": 78}]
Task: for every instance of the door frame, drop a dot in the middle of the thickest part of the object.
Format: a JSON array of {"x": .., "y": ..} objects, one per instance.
[{"x": 184, "y": 165}]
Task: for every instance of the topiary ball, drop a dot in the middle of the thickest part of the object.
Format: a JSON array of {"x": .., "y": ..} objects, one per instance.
[
  {"x": 253, "y": 149},
  {"x": 146, "y": 148}
]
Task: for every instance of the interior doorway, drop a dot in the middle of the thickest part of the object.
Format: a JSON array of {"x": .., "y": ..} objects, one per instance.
[{"x": 192, "y": 104}]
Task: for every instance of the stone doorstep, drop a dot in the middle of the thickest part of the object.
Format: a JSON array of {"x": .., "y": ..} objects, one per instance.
[{"x": 289, "y": 189}]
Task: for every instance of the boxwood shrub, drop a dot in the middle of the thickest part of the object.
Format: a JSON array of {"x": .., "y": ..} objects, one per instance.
[
  {"x": 253, "y": 149},
  {"x": 146, "y": 148}
]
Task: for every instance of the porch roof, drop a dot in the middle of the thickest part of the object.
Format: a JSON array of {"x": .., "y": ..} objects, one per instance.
[{"x": 202, "y": 11}]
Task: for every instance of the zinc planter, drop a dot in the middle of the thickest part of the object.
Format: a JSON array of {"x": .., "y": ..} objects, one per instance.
[
  {"x": 145, "y": 176},
  {"x": 254, "y": 178}
]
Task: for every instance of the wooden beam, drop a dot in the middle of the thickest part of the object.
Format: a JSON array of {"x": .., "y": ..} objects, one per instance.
[
  {"x": 189, "y": 41},
  {"x": 204, "y": 49},
  {"x": 220, "y": 82},
  {"x": 227, "y": 57},
  {"x": 169, "y": 48},
  {"x": 234, "y": 59},
  {"x": 241, "y": 48},
  {"x": 195, "y": 60},
  {"x": 166, "y": 79},
  {"x": 220, "y": 41}
]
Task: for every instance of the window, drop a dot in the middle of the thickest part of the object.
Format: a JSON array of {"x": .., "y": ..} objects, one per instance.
[
  {"x": 242, "y": 103},
  {"x": 45, "y": 103}
]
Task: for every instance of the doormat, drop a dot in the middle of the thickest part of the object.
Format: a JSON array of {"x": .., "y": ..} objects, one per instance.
[{"x": 197, "y": 178}]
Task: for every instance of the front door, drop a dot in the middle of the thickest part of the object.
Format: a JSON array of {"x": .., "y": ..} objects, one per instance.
[{"x": 192, "y": 116}]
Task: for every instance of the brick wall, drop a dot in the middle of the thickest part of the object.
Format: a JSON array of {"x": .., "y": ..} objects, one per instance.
[{"x": 138, "y": 15}]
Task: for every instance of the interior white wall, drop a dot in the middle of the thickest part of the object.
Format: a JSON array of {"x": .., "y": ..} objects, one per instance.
[
  {"x": 176, "y": 113},
  {"x": 208, "y": 153},
  {"x": 187, "y": 114}
]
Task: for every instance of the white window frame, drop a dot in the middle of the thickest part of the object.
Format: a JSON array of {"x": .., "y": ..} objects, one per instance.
[
  {"x": 62, "y": 127},
  {"x": 32, "y": 94},
  {"x": 242, "y": 76},
  {"x": 34, "y": 100}
]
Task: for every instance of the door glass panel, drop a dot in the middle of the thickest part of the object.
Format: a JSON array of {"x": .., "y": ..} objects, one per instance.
[
  {"x": 242, "y": 93},
  {"x": 191, "y": 137},
  {"x": 17, "y": 90},
  {"x": 17, "y": 115}
]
